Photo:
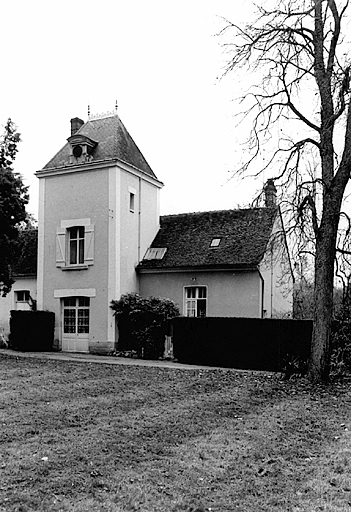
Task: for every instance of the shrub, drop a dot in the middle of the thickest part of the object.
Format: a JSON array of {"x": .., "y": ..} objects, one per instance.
[
  {"x": 340, "y": 362},
  {"x": 294, "y": 366},
  {"x": 143, "y": 323}
]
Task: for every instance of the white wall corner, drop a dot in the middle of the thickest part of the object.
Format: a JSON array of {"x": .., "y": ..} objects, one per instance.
[{"x": 41, "y": 245}]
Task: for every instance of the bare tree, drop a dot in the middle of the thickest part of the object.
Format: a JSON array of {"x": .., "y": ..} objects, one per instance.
[{"x": 295, "y": 55}]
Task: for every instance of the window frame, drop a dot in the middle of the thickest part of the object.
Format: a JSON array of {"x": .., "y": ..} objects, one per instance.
[
  {"x": 79, "y": 242},
  {"x": 77, "y": 305},
  {"x": 63, "y": 247},
  {"x": 131, "y": 202},
  {"x": 215, "y": 242},
  {"x": 195, "y": 300},
  {"x": 24, "y": 301}
]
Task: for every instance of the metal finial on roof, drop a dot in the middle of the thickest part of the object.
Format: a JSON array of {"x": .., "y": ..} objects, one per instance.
[
  {"x": 116, "y": 106},
  {"x": 88, "y": 110}
]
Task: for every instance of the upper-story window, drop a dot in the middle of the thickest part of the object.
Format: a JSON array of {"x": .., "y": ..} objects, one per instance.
[
  {"x": 75, "y": 244},
  {"x": 132, "y": 197},
  {"x": 131, "y": 201}
]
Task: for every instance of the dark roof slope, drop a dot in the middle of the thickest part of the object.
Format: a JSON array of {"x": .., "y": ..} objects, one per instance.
[
  {"x": 244, "y": 236},
  {"x": 26, "y": 265},
  {"x": 114, "y": 142}
]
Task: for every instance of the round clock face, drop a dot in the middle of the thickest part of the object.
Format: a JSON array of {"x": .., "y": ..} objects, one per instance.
[{"x": 77, "y": 151}]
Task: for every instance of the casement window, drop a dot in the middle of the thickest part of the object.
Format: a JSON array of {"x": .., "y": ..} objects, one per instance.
[
  {"x": 75, "y": 244},
  {"x": 195, "y": 301},
  {"x": 76, "y": 315},
  {"x": 22, "y": 296}
]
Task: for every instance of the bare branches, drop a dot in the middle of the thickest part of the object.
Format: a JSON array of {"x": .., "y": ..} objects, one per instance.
[
  {"x": 309, "y": 201},
  {"x": 335, "y": 36},
  {"x": 300, "y": 115},
  {"x": 296, "y": 45}
]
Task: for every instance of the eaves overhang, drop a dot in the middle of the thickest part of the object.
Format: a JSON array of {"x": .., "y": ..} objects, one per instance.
[
  {"x": 24, "y": 276},
  {"x": 223, "y": 268},
  {"x": 96, "y": 165}
]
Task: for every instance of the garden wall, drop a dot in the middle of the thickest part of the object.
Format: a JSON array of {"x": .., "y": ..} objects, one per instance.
[{"x": 247, "y": 343}]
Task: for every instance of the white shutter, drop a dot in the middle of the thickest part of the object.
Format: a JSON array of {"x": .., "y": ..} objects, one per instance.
[
  {"x": 89, "y": 245},
  {"x": 60, "y": 247}
]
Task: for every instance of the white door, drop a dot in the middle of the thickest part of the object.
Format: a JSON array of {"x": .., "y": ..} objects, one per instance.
[{"x": 75, "y": 324}]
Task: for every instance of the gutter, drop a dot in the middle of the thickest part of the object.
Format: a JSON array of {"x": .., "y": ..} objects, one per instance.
[{"x": 163, "y": 270}]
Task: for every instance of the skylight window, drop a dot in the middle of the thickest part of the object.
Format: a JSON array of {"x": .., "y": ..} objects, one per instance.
[
  {"x": 155, "y": 253},
  {"x": 215, "y": 242}
]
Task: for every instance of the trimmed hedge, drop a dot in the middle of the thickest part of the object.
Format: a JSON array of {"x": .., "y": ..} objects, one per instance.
[
  {"x": 32, "y": 331},
  {"x": 246, "y": 343}
]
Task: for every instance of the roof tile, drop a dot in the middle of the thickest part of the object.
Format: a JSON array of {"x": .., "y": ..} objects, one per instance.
[
  {"x": 114, "y": 142},
  {"x": 244, "y": 236}
]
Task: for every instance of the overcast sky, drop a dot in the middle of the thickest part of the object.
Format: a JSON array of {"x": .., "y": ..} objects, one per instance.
[{"x": 161, "y": 60}]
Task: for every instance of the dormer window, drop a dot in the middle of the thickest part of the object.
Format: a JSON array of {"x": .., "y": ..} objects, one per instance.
[
  {"x": 155, "y": 253},
  {"x": 77, "y": 151},
  {"x": 82, "y": 148},
  {"x": 215, "y": 242}
]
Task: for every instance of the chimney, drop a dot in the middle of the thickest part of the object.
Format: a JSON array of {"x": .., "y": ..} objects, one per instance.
[
  {"x": 270, "y": 194},
  {"x": 76, "y": 123}
]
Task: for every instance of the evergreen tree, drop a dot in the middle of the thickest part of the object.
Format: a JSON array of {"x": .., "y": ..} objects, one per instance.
[{"x": 13, "y": 200}]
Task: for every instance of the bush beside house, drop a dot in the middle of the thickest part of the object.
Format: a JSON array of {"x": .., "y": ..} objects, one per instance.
[{"x": 143, "y": 323}]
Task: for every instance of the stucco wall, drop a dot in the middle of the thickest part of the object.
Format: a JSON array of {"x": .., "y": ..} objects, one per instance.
[
  {"x": 76, "y": 196},
  {"x": 7, "y": 303},
  {"x": 121, "y": 238},
  {"x": 138, "y": 228},
  {"x": 229, "y": 293}
]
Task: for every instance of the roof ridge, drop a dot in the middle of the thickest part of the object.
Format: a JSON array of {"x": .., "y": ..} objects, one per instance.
[
  {"x": 256, "y": 208},
  {"x": 102, "y": 115}
]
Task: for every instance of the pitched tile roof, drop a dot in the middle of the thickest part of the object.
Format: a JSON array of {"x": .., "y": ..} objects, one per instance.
[
  {"x": 114, "y": 142},
  {"x": 244, "y": 236}
]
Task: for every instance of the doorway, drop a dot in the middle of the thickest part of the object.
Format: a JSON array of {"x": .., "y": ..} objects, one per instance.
[{"x": 75, "y": 324}]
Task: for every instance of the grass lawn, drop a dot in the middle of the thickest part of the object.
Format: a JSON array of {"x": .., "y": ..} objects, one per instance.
[{"x": 94, "y": 437}]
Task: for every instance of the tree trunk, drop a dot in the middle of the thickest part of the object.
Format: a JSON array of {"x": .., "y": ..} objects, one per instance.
[
  {"x": 319, "y": 364},
  {"x": 324, "y": 279}
]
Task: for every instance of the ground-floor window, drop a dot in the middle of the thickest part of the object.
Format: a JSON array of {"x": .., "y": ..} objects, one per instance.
[
  {"x": 76, "y": 315},
  {"x": 22, "y": 296},
  {"x": 23, "y": 300},
  {"x": 196, "y": 301}
]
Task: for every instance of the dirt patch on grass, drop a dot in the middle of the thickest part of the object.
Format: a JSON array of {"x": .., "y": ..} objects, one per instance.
[{"x": 80, "y": 437}]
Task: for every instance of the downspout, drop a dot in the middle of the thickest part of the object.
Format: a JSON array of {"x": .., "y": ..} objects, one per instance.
[
  {"x": 262, "y": 292},
  {"x": 139, "y": 235},
  {"x": 272, "y": 283},
  {"x": 139, "y": 220}
]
